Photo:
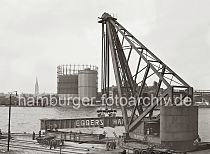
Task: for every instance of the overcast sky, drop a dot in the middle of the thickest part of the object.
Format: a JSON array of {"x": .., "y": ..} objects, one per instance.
[{"x": 38, "y": 35}]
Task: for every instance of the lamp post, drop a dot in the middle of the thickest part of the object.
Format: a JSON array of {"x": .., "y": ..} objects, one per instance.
[{"x": 10, "y": 104}]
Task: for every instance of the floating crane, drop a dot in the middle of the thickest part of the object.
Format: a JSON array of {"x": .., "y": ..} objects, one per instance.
[{"x": 135, "y": 66}]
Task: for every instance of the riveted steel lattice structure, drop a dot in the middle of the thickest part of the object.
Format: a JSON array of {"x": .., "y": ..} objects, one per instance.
[{"x": 134, "y": 65}]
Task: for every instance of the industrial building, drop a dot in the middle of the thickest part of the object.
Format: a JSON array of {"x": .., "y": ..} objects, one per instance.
[{"x": 77, "y": 81}]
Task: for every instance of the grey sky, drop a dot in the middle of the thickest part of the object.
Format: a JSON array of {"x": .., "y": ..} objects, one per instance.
[{"x": 36, "y": 36}]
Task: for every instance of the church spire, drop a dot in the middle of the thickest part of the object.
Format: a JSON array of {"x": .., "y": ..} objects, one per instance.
[{"x": 36, "y": 87}]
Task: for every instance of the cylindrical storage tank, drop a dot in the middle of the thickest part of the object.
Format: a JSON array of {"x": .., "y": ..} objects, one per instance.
[
  {"x": 178, "y": 127},
  {"x": 87, "y": 83},
  {"x": 67, "y": 84}
]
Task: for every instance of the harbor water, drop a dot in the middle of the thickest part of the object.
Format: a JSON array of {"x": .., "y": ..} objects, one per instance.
[{"x": 27, "y": 119}]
